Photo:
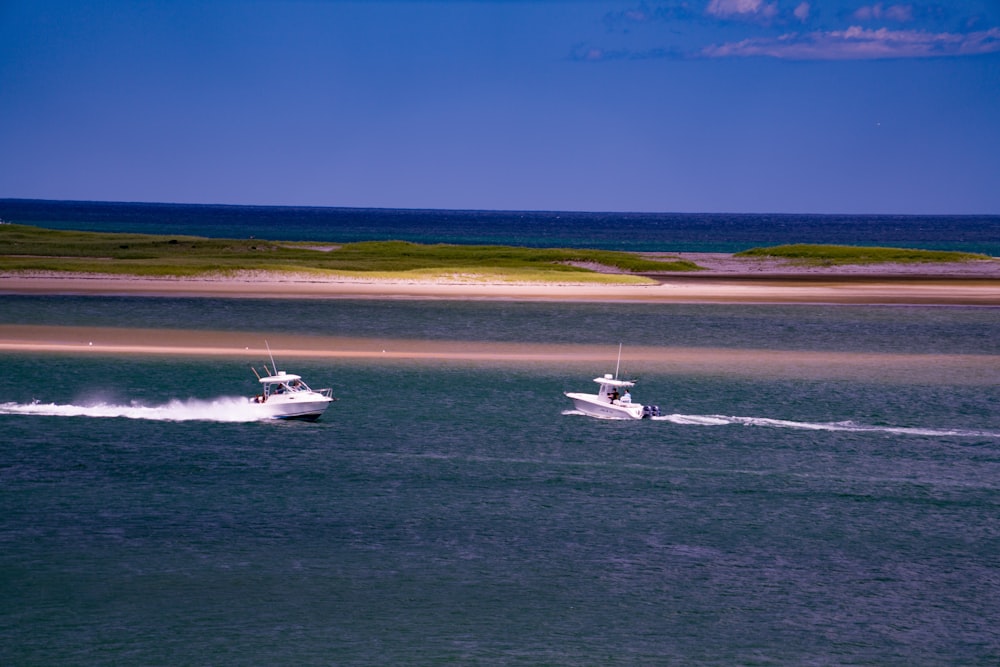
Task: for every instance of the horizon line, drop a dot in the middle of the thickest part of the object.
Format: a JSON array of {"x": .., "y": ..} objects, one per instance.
[{"x": 485, "y": 210}]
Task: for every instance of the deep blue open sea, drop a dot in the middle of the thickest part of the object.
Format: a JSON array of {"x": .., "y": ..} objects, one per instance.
[
  {"x": 662, "y": 232},
  {"x": 450, "y": 512}
]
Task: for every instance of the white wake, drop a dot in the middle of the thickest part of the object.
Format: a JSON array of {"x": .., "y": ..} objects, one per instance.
[
  {"x": 849, "y": 426},
  {"x": 223, "y": 409}
]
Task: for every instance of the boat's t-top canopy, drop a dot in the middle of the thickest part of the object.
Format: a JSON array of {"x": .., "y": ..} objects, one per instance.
[
  {"x": 613, "y": 382},
  {"x": 282, "y": 376}
]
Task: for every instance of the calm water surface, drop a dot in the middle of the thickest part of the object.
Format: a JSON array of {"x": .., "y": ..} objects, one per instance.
[{"x": 461, "y": 512}]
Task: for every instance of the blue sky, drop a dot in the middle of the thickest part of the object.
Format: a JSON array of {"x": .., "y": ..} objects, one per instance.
[{"x": 800, "y": 106}]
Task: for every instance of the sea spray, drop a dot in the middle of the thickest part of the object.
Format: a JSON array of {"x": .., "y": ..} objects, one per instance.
[{"x": 222, "y": 409}]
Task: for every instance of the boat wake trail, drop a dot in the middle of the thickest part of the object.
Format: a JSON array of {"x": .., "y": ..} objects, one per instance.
[
  {"x": 223, "y": 409},
  {"x": 850, "y": 426}
]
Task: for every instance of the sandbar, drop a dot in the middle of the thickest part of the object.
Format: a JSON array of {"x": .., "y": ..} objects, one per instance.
[
  {"x": 971, "y": 369},
  {"x": 957, "y": 284}
]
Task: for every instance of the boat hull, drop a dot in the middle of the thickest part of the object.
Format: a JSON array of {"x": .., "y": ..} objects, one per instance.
[
  {"x": 303, "y": 409},
  {"x": 596, "y": 406}
]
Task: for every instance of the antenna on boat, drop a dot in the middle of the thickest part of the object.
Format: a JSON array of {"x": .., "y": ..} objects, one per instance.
[
  {"x": 619, "y": 360},
  {"x": 255, "y": 372},
  {"x": 274, "y": 367}
]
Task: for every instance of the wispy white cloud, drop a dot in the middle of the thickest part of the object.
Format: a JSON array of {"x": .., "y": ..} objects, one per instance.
[
  {"x": 598, "y": 54},
  {"x": 857, "y": 43},
  {"x": 878, "y": 11},
  {"x": 646, "y": 13},
  {"x": 742, "y": 9},
  {"x": 860, "y": 41}
]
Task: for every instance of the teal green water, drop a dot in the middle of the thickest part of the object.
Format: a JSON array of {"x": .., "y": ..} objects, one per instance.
[
  {"x": 889, "y": 329},
  {"x": 462, "y": 513}
]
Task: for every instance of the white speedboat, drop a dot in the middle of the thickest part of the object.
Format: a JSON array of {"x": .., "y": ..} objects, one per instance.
[
  {"x": 613, "y": 400},
  {"x": 286, "y": 396}
]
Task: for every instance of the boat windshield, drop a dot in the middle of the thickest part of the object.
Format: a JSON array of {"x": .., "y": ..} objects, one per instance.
[{"x": 288, "y": 387}]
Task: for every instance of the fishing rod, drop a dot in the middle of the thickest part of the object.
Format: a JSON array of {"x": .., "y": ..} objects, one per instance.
[{"x": 274, "y": 366}]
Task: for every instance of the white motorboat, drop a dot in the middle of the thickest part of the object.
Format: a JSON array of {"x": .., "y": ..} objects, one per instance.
[
  {"x": 613, "y": 400},
  {"x": 287, "y": 396}
]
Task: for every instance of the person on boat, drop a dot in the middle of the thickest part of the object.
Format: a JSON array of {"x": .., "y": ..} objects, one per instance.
[
  {"x": 627, "y": 397},
  {"x": 614, "y": 395}
]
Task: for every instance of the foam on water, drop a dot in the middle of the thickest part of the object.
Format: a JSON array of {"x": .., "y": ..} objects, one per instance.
[
  {"x": 222, "y": 409},
  {"x": 848, "y": 426}
]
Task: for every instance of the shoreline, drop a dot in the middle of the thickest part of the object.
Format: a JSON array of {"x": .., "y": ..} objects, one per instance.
[
  {"x": 726, "y": 279},
  {"x": 742, "y": 290}
]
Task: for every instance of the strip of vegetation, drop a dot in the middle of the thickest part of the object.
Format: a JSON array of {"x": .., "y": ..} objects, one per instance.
[
  {"x": 24, "y": 248},
  {"x": 828, "y": 255}
]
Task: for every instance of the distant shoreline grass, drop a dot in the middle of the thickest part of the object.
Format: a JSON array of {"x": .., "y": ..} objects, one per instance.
[
  {"x": 36, "y": 249},
  {"x": 835, "y": 255},
  {"x": 27, "y": 248}
]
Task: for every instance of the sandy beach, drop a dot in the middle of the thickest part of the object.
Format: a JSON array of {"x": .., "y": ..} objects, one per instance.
[{"x": 726, "y": 280}]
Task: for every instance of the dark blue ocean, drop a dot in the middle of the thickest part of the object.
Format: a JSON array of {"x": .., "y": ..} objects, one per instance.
[
  {"x": 845, "y": 512},
  {"x": 648, "y": 232}
]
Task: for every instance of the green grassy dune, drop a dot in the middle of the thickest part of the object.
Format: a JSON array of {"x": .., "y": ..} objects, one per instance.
[
  {"x": 832, "y": 255},
  {"x": 24, "y": 248}
]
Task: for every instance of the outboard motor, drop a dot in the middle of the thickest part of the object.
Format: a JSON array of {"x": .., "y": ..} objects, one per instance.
[{"x": 650, "y": 411}]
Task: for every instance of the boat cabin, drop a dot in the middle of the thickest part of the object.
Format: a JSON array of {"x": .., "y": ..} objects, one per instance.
[
  {"x": 613, "y": 389},
  {"x": 281, "y": 383}
]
